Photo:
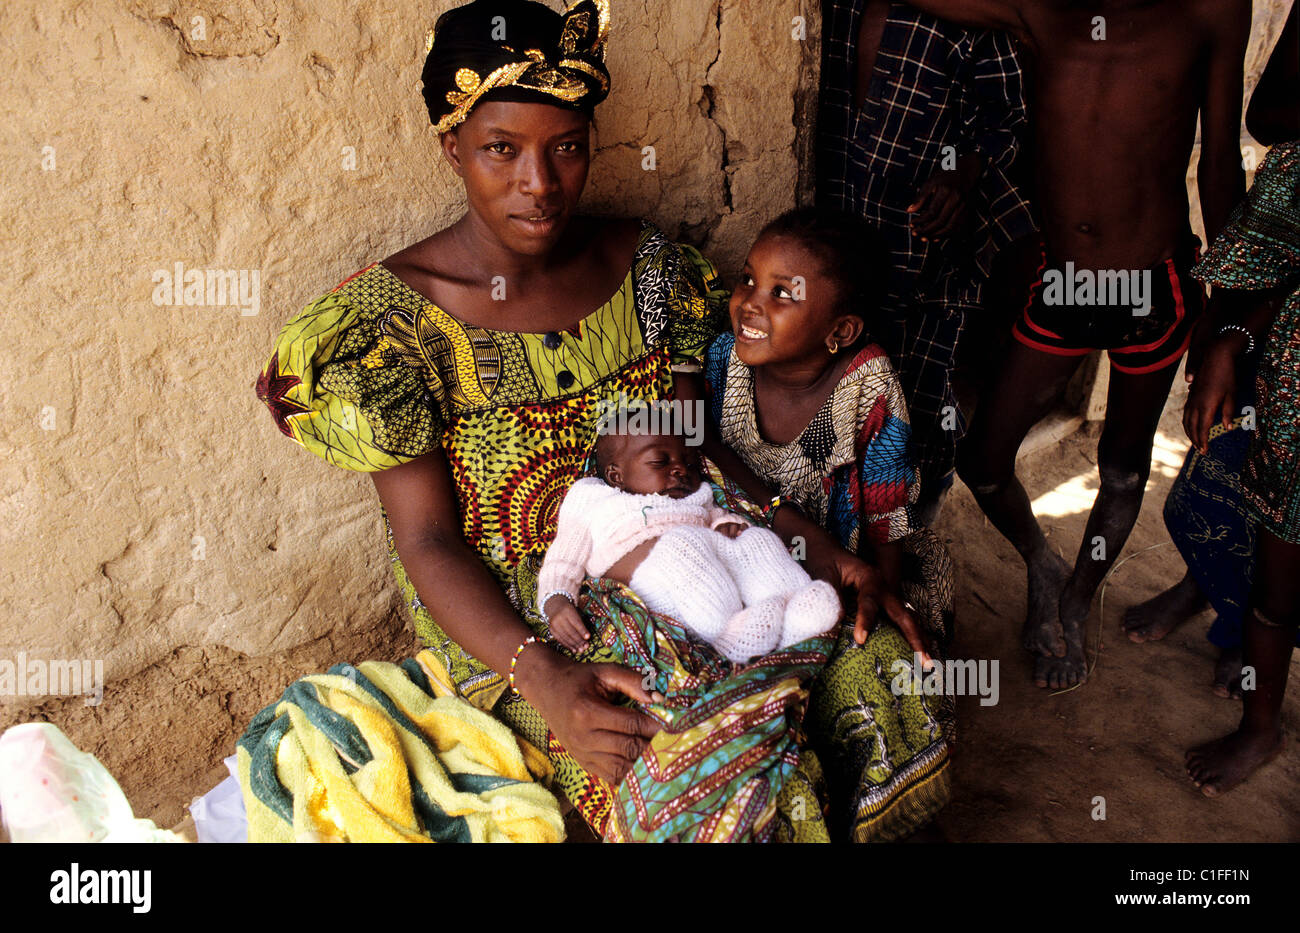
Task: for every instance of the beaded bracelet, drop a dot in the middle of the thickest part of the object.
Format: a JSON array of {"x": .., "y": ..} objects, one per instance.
[
  {"x": 1250, "y": 338},
  {"x": 769, "y": 511},
  {"x": 531, "y": 639}
]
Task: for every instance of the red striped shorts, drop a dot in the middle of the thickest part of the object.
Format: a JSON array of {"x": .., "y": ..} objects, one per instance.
[{"x": 1056, "y": 321}]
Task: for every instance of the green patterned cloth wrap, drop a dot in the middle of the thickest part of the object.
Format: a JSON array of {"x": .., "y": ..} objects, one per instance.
[{"x": 730, "y": 737}]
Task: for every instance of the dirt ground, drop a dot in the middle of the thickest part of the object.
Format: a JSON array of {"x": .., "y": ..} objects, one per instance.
[
  {"x": 1028, "y": 768},
  {"x": 168, "y": 728}
]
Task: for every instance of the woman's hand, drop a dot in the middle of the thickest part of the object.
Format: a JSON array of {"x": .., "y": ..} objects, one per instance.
[
  {"x": 1213, "y": 393},
  {"x": 577, "y": 702},
  {"x": 573, "y": 698}
]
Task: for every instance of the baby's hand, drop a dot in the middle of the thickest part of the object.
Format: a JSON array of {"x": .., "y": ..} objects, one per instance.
[
  {"x": 732, "y": 529},
  {"x": 566, "y": 624}
]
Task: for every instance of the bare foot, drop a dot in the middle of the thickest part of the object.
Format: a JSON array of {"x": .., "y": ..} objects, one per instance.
[
  {"x": 1072, "y": 668},
  {"x": 1160, "y": 615},
  {"x": 1227, "y": 673},
  {"x": 1217, "y": 767},
  {"x": 1043, "y": 635}
]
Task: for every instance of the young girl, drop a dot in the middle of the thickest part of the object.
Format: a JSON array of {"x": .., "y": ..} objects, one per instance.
[{"x": 811, "y": 404}]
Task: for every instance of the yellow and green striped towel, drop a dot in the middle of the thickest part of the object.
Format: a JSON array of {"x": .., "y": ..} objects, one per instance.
[{"x": 369, "y": 754}]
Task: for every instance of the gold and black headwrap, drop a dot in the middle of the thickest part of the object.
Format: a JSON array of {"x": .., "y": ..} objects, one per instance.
[{"x": 515, "y": 50}]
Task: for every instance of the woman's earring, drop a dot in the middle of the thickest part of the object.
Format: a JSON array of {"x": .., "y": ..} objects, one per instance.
[{"x": 834, "y": 347}]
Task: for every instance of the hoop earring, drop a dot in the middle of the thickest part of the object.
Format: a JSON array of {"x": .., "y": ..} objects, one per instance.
[{"x": 834, "y": 347}]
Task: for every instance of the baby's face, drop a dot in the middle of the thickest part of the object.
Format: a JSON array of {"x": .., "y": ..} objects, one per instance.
[{"x": 654, "y": 463}]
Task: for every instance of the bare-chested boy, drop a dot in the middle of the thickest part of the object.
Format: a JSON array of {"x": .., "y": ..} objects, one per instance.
[{"x": 1117, "y": 89}]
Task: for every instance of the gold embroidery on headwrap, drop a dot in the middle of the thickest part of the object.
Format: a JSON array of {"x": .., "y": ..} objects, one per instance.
[
  {"x": 586, "y": 68},
  {"x": 535, "y": 72},
  {"x": 505, "y": 76},
  {"x": 574, "y": 29}
]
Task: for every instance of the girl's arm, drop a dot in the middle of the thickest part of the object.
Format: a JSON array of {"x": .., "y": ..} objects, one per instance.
[
  {"x": 1213, "y": 395},
  {"x": 888, "y": 558},
  {"x": 573, "y": 698}
]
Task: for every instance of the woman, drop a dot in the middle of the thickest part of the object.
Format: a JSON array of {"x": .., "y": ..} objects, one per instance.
[{"x": 473, "y": 423}]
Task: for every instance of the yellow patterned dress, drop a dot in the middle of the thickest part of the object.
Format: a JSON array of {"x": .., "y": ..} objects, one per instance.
[{"x": 373, "y": 375}]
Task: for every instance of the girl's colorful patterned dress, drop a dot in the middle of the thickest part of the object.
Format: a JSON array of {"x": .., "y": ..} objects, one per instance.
[
  {"x": 372, "y": 375},
  {"x": 1259, "y": 249}
]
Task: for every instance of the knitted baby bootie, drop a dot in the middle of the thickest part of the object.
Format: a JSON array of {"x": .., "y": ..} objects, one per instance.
[
  {"x": 761, "y": 566},
  {"x": 811, "y": 611},
  {"x": 753, "y": 631}
]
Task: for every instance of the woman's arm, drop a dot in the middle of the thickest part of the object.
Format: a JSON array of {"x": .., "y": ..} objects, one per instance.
[{"x": 573, "y": 698}]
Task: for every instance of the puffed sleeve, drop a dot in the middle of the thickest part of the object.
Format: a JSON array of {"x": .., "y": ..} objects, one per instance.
[
  {"x": 342, "y": 383},
  {"x": 887, "y": 479},
  {"x": 716, "y": 361},
  {"x": 1260, "y": 246},
  {"x": 681, "y": 298}
]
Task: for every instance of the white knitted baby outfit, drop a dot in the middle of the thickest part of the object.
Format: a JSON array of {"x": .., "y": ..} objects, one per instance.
[{"x": 745, "y": 596}]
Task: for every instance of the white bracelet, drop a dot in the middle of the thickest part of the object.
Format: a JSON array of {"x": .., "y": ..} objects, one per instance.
[
  {"x": 1250, "y": 339},
  {"x": 541, "y": 603}
]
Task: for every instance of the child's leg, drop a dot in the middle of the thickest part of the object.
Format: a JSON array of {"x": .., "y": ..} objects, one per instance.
[
  {"x": 1024, "y": 390},
  {"x": 761, "y": 566},
  {"x": 683, "y": 578},
  {"x": 1268, "y": 637},
  {"x": 1133, "y": 407}
]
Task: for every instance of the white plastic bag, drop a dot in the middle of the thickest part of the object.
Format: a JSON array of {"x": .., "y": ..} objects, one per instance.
[{"x": 50, "y": 791}]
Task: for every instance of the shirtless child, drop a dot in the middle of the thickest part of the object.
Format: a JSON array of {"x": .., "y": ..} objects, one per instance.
[
  {"x": 650, "y": 523},
  {"x": 1117, "y": 87}
]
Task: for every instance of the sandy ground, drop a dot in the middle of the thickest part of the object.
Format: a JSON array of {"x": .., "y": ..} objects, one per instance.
[{"x": 1028, "y": 769}]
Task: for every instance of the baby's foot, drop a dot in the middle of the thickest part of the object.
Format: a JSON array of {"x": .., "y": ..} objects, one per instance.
[
  {"x": 811, "y": 611},
  {"x": 752, "y": 632}
]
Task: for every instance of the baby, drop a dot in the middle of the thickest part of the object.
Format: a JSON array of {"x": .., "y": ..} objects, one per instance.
[{"x": 649, "y": 522}]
